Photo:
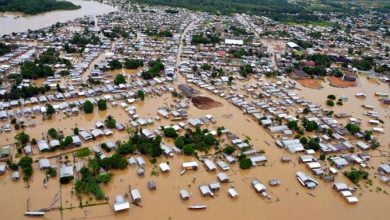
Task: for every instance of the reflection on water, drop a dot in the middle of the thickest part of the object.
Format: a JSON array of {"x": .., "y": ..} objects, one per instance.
[{"x": 16, "y": 22}]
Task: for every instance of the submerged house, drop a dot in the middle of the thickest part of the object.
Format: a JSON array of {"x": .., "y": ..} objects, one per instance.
[
  {"x": 206, "y": 191},
  {"x": 190, "y": 165},
  {"x": 306, "y": 180},
  {"x": 136, "y": 195},
  {"x": 121, "y": 204},
  {"x": 184, "y": 194},
  {"x": 66, "y": 173}
]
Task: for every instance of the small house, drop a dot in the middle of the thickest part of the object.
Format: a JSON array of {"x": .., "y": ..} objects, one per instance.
[
  {"x": 206, "y": 191},
  {"x": 210, "y": 166},
  {"x": 152, "y": 185},
  {"x": 44, "y": 163},
  {"x": 223, "y": 177},
  {"x": 120, "y": 204},
  {"x": 190, "y": 165},
  {"x": 164, "y": 167},
  {"x": 232, "y": 192},
  {"x": 184, "y": 194},
  {"x": 136, "y": 195}
]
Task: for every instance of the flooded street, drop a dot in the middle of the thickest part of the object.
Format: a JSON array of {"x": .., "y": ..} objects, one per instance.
[
  {"x": 354, "y": 105},
  {"x": 16, "y": 22},
  {"x": 165, "y": 203}
]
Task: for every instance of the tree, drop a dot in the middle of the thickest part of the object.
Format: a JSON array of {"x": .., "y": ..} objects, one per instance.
[
  {"x": 88, "y": 107},
  {"x": 110, "y": 122},
  {"x": 125, "y": 148},
  {"x": 374, "y": 144},
  {"x": 25, "y": 163},
  {"x": 76, "y": 131},
  {"x": 352, "y": 128},
  {"x": 188, "y": 149},
  {"x": 104, "y": 178},
  {"x": 52, "y": 132},
  {"x": 332, "y": 97},
  {"x": 133, "y": 64},
  {"x": 310, "y": 125},
  {"x": 329, "y": 102},
  {"x": 229, "y": 149},
  {"x": 141, "y": 95},
  {"x": 67, "y": 141},
  {"x": 50, "y": 110},
  {"x": 292, "y": 125},
  {"x": 102, "y": 104},
  {"x": 179, "y": 142},
  {"x": 170, "y": 132},
  {"x": 22, "y": 138},
  {"x": 119, "y": 79},
  {"x": 303, "y": 140},
  {"x": 115, "y": 64},
  {"x": 13, "y": 166},
  {"x": 356, "y": 175},
  {"x": 367, "y": 135},
  {"x": 313, "y": 144},
  {"x": 245, "y": 163}
]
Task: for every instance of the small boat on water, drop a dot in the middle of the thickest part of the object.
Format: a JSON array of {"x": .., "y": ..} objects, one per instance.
[
  {"x": 33, "y": 214},
  {"x": 197, "y": 207}
]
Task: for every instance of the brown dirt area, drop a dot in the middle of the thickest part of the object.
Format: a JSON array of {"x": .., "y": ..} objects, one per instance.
[
  {"x": 205, "y": 103},
  {"x": 311, "y": 83},
  {"x": 339, "y": 83}
]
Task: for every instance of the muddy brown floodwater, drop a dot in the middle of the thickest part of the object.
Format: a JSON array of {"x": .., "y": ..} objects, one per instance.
[{"x": 290, "y": 199}]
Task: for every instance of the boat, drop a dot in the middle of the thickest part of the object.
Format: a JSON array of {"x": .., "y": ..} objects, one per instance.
[
  {"x": 182, "y": 172},
  {"x": 196, "y": 207},
  {"x": 34, "y": 213}
]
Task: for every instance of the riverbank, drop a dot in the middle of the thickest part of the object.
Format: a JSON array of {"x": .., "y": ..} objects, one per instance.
[{"x": 17, "y": 22}]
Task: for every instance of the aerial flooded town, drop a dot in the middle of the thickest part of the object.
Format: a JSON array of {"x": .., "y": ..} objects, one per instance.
[{"x": 178, "y": 109}]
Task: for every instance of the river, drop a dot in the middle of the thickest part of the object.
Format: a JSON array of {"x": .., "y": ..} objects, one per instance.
[{"x": 17, "y": 22}]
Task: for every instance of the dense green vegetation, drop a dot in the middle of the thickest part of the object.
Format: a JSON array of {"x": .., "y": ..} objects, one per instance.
[
  {"x": 280, "y": 10},
  {"x": 141, "y": 94},
  {"x": 352, "y": 128},
  {"x": 83, "y": 39},
  {"x": 156, "y": 67},
  {"x": 102, "y": 105},
  {"x": 40, "y": 68},
  {"x": 119, "y": 79},
  {"x": 198, "y": 139},
  {"x": 116, "y": 32},
  {"x": 142, "y": 144},
  {"x": 366, "y": 63},
  {"x": 83, "y": 152},
  {"x": 22, "y": 139},
  {"x": 356, "y": 175},
  {"x": 24, "y": 92},
  {"x": 35, "y": 6},
  {"x": 155, "y": 33},
  {"x": 246, "y": 70},
  {"x": 115, "y": 65},
  {"x": 245, "y": 163},
  {"x": 110, "y": 122},
  {"x": 88, "y": 107},
  {"x": 205, "y": 39},
  {"x": 133, "y": 63},
  {"x": 4, "y": 49},
  {"x": 26, "y": 164}
]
